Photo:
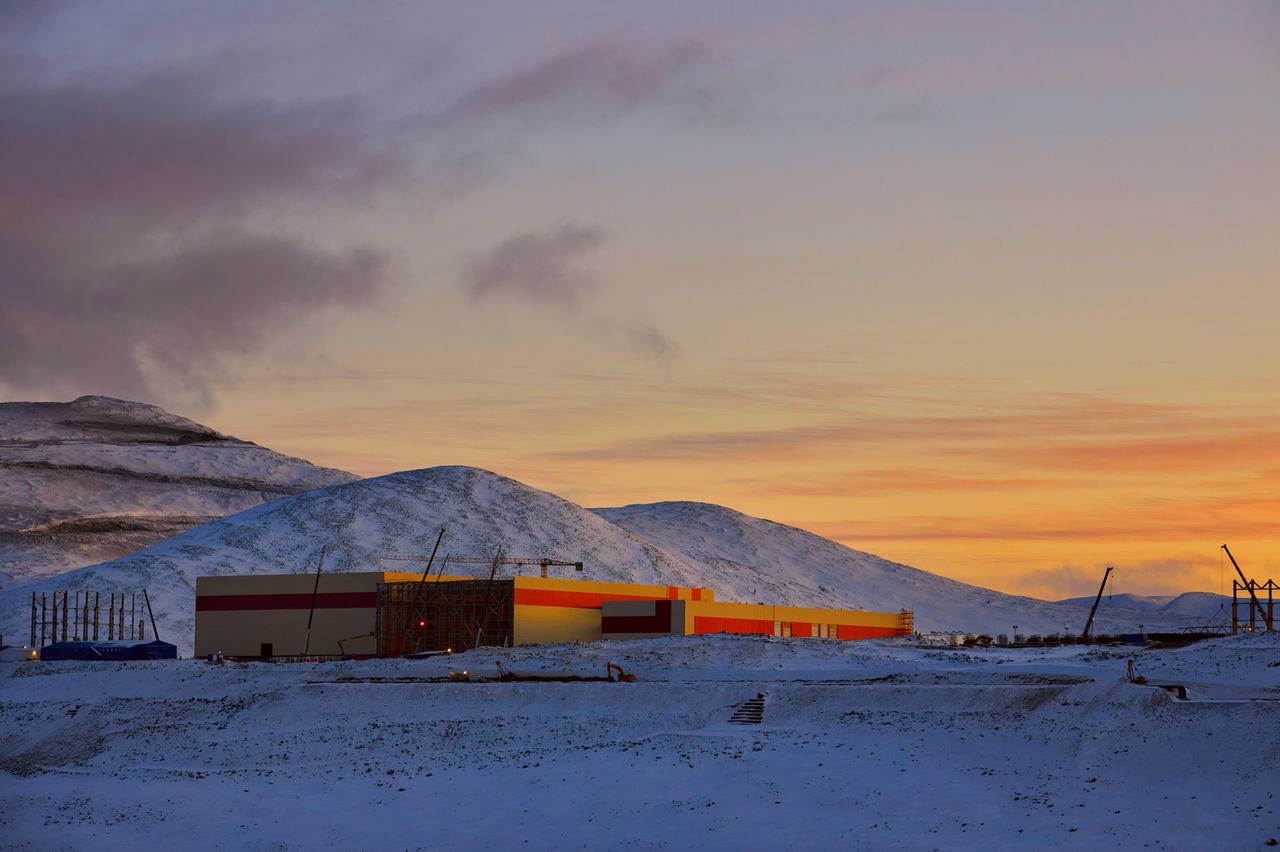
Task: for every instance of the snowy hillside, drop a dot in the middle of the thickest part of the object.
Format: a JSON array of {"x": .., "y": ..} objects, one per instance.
[
  {"x": 690, "y": 544},
  {"x": 96, "y": 478},
  {"x": 757, "y": 560},
  {"x": 358, "y": 522}
]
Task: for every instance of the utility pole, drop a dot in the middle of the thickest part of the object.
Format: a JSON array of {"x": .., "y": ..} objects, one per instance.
[
  {"x": 315, "y": 590},
  {"x": 155, "y": 634}
]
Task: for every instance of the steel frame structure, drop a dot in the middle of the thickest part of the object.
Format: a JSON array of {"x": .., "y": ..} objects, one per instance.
[{"x": 453, "y": 615}]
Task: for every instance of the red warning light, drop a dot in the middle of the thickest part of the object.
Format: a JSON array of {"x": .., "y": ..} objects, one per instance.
[{"x": 422, "y": 623}]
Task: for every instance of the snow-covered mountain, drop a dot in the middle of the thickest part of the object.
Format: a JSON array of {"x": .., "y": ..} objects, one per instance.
[
  {"x": 97, "y": 478},
  {"x": 743, "y": 558},
  {"x": 357, "y": 524},
  {"x": 751, "y": 559}
]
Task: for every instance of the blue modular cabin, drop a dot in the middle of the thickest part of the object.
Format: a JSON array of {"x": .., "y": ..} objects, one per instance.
[{"x": 152, "y": 649}]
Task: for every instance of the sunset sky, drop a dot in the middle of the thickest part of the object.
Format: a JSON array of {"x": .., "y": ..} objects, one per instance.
[{"x": 990, "y": 289}]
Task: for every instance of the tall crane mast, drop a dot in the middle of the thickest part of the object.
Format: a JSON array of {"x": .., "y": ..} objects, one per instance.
[{"x": 1088, "y": 626}]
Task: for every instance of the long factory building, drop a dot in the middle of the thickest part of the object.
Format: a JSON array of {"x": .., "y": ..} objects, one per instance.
[{"x": 382, "y": 613}]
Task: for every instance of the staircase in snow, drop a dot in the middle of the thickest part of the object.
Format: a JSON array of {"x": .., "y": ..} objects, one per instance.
[{"x": 749, "y": 712}]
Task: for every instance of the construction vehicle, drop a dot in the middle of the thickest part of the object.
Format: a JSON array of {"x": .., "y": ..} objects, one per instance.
[{"x": 1088, "y": 625}]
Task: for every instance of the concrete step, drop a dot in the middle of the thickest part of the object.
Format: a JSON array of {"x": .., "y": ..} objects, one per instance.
[{"x": 749, "y": 712}]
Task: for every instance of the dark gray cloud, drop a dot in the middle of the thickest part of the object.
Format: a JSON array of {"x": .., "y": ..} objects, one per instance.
[
  {"x": 143, "y": 245},
  {"x": 130, "y": 259},
  {"x": 175, "y": 321},
  {"x": 543, "y": 269},
  {"x": 537, "y": 268}
]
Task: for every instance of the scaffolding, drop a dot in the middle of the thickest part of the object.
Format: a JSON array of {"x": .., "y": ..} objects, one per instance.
[
  {"x": 1257, "y": 607},
  {"x": 455, "y": 615}
]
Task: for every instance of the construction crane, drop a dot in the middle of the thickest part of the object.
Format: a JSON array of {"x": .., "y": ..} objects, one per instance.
[
  {"x": 1248, "y": 586},
  {"x": 1088, "y": 625},
  {"x": 519, "y": 561}
]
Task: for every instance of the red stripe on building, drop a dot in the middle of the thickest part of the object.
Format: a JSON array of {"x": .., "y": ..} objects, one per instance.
[
  {"x": 576, "y": 600},
  {"x": 324, "y": 600},
  {"x": 697, "y": 594},
  {"x": 673, "y": 593},
  {"x": 801, "y": 630},
  {"x": 713, "y": 624}
]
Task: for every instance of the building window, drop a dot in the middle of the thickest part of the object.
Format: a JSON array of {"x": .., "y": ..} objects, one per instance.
[
  {"x": 777, "y": 628},
  {"x": 786, "y": 628}
]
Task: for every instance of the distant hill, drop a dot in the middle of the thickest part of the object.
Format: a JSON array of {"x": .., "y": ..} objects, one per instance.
[
  {"x": 97, "y": 478},
  {"x": 755, "y": 559},
  {"x": 1201, "y": 607}
]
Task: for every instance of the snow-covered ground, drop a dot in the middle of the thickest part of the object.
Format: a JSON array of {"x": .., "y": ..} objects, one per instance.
[
  {"x": 874, "y": 744},
  {"x": 96, "y": 478}
]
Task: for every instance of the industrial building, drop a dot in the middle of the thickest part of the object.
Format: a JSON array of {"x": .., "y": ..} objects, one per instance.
[
  {"x": 380, "y": 613},
  {"x": 647, "y": 619},
  {"x": 112, "y": 651}
]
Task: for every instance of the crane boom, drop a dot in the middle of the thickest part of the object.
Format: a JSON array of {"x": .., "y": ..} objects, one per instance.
[
  {"x": 1088, "y": 626},
  {"x": 1253, "y": 599},
  {"x": 519, "y": 561}
]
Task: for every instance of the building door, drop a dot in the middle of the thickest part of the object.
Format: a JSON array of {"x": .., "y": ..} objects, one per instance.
[{"x": 266, "y": 650}]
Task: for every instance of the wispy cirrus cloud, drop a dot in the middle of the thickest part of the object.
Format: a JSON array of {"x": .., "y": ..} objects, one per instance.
[
  {"x": 595, "y": 81},
  {"x": 1204, "y": 520},
  {"x": 1020, "y": 432},
  {"x": 882, "y": 481},
  {"x": 1193, "y": 452}
]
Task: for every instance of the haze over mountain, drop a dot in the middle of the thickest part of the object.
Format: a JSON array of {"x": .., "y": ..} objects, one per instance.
[
  {"x": 1211, "y": 607},
  {"x": 95, "y": 478}
]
